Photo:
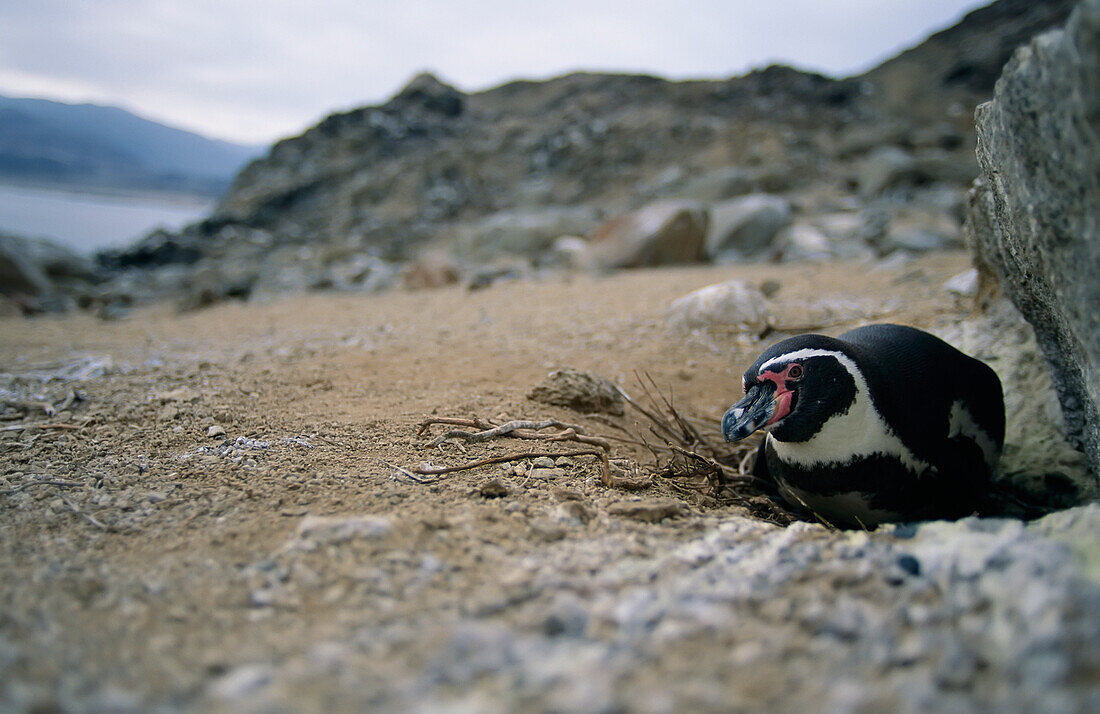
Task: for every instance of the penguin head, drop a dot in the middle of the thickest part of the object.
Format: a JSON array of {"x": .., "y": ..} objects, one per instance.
[{"x": 793, "y": 388}]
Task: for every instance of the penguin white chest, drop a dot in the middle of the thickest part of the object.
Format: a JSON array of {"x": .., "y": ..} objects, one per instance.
[{"x": 857, "y": 433}]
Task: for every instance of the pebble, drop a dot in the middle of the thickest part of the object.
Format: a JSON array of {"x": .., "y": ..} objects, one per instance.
[
  {"x": 565, "y": 494},
  {"x": 547, "y": 474},
  {"x": 242, "y": 681},
  {"x": 215, "y": 430},
  {"x": 493, "y": 489},
  {"x": 965, "y": 284},
  {"x": 575, "y": 511},
  {"x": 313, "y": 531},
  {"x": 650, "y": 511}
]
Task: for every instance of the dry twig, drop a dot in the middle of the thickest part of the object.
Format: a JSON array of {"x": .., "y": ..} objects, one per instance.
[
  {"x": 87, "y": 516},
  {"x": 694, "y": 455},
  {"x": 519, "y": 428},
  {"x": 32, "y": 484},
  {"x": 523, "y": 429}
]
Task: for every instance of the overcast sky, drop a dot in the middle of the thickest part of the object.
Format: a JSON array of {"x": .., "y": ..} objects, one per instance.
[{"x": 257, "y": 70}]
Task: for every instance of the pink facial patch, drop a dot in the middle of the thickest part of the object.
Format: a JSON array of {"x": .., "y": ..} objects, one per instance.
[{"x": 783, "y": 395}]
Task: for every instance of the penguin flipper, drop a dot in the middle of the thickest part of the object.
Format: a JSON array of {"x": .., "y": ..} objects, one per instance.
[{"x": 962, "y": 485}]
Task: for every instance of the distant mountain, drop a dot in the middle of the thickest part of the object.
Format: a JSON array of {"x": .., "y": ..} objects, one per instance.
[{"x": 85, "y": 144}]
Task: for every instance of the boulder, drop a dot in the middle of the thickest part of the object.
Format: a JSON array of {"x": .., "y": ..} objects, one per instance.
[
  {"x": 747, "y": 225},
  {"x": 525, "y": 232},
  {"x": 1039, "y": 152},
  {"x": 885, "y": 168},
  {"x": 43, "y": 276},
  {"x": 568, "y": 252},
  {"x": 719, "y": 185},
  {"x": 803, "y": 241},
  {"x": 662, "y": 233},
  {"x": 431, "y": 270},
  {"x": 214, "y": 283},
  {"x": 18, "y": 274}
]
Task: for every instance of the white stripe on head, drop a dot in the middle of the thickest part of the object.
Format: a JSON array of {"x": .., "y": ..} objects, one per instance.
[
  {"x": 858, "y": 432},
  {"x": 810, "y": 352}
]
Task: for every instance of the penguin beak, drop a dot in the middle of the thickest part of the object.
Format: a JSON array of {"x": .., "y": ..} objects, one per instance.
[{"x": 757, "y": 409}]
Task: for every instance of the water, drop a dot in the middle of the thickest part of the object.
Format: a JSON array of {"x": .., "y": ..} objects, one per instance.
[{"x": 87, "y": 222}]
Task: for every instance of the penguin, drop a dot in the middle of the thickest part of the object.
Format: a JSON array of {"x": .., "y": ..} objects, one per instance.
[{"x": 885, "y": 423}]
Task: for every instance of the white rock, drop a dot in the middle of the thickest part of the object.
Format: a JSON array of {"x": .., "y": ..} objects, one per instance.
[
  {"x": 314, "y": 531},
  {"x": 965, "y": 284},
  {"x": 733, "y": 305}
]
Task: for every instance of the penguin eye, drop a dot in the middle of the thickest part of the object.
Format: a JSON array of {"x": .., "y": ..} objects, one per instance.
[{"x": 795, "y": 371}]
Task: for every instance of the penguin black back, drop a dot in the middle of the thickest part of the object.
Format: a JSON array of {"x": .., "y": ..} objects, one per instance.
[{"x": 919, "y": 379}]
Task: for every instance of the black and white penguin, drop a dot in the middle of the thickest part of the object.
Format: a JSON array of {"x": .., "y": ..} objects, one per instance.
[{"x": 883, "y": 424}]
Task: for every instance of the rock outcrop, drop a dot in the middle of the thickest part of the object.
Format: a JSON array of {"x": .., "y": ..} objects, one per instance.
[{"x": 1039, "y": 151}]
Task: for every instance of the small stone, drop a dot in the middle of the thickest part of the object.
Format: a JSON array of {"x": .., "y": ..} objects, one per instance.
[
  {"x": 965, "y": 284},
  {"x": 180, "y": 394},
  {"x": 565, "y": 494},
  {"x": 547, "y": 531},
  {"x": 770, "y": 288},
  {"x": 909, "y": 564},
  {"x": 333, "y": 530},
  {"x": 543, "y": 462},
  {"x": 215, "y": 430},
  {"x": 546, "y": 474},
  {"x": 242, "y": 681},
  {"x": 493, "y": 489},
  {"x": 575, "y": 511},
  {"x": 650, "y": 511}
]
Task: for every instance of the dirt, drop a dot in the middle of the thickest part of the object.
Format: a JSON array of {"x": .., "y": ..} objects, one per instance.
[{"x": 176, "y": 569}]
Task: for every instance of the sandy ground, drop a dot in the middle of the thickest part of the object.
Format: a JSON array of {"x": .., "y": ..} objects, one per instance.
[{"x": 159, "y": 575}]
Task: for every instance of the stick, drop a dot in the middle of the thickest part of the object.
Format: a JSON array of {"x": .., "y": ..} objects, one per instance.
[
  {"x": 22, "y": 427},
  {"x": 86, "y": 516},
  {"x": 408, "y": 473},
  {"x": 519, "y": 428},
  {"x": 32, "y": 484},
  {"x": 435, "y": 470}
]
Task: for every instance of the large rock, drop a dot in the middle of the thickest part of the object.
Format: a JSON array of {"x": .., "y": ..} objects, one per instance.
[
  {"x": 41, "y": 275},
  {"x": 891, "y": 168},
  {"x": 662, "y": 233},
  {"x": 747, "y": 225},
  {"x": 20, "y": 276},
  {"x": 1039, "y": 152},
  {"x": 718, "y": 185},
  {"x": 525, "y": 232}
]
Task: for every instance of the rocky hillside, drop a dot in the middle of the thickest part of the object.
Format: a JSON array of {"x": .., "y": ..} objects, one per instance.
[
  {"x": 777, "y": 164},
  {"x": 955, "y": 69}
]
